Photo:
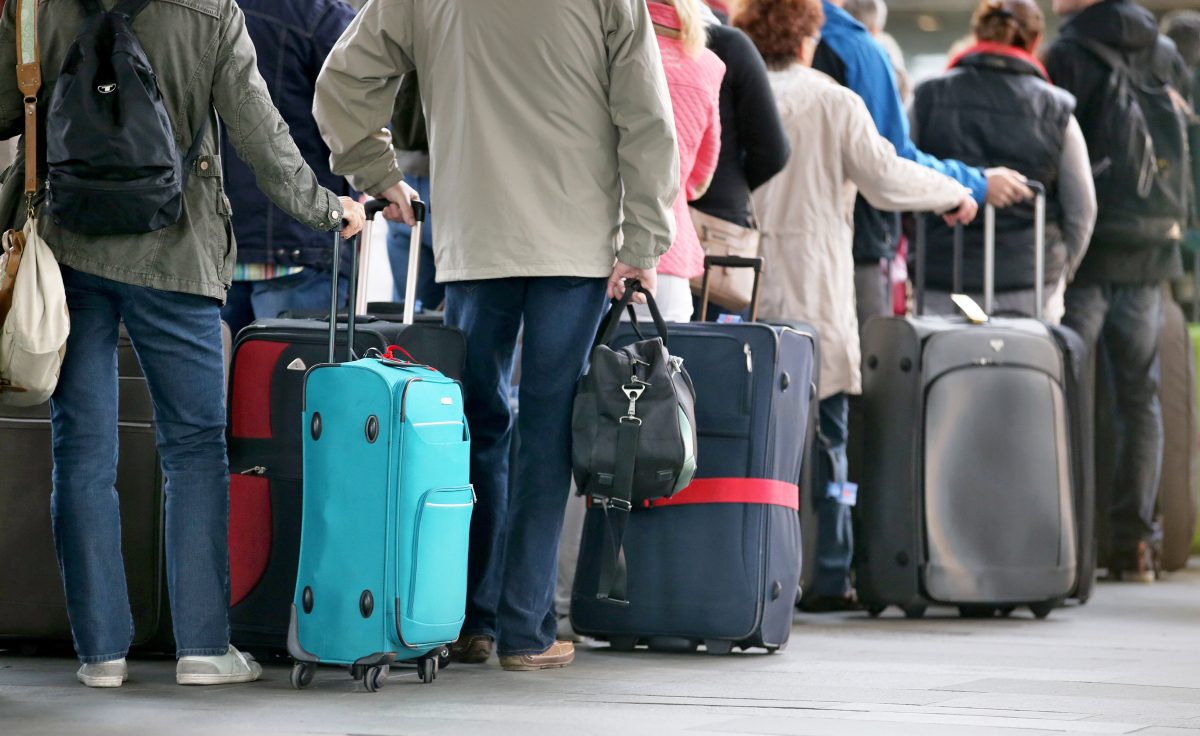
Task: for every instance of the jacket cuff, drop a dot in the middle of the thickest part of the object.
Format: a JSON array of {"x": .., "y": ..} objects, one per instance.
[
  {"x": 630, "y": 258},
  {"x": 331, "y": 217},
  {"x": 394, "y": 177}
]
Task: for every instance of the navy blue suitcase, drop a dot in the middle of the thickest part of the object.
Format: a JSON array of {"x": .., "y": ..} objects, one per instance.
[{"x": 719, "y": 562}]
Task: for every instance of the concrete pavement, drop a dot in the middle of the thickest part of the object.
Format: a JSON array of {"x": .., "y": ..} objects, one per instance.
[{"x": 1127, "y": 662}]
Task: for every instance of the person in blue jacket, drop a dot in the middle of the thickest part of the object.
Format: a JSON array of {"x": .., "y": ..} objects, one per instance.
[
  {"x": 848, "y": 53},
  {"x": 282, "y": 265}
]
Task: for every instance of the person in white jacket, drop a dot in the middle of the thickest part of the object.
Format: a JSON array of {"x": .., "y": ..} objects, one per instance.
[{"x": 806, "y": 218}]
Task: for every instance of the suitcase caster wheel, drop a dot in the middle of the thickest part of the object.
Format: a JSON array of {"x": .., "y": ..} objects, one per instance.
[
  {"x": 443, "y": 658},
  {"x": 302, "y": 675},
  {"x": 875, "y": 611},
  {"x": 376, "y": 677},
  {"x": 976, "y": 611},
  {"x": 1042, "y": 610},
  {"x": 428, "y": 668},
  {"x": 914, "y": 612},
  {"x": 1006, "y": 611},
  {"x": 718, "y": 648},
  {"x": 622, "y": 643}
]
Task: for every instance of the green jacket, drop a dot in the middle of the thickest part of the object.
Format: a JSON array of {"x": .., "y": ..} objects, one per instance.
[{"x": 204, "y": 61}]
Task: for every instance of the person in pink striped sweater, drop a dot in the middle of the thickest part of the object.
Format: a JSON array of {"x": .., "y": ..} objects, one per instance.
[{"x": 694, "y": 77}]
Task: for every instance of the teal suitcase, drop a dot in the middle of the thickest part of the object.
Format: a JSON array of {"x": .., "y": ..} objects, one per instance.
[{"x": 387, "y": 513}]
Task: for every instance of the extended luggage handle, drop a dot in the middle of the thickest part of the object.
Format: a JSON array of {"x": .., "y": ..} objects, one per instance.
[
  {"x": 608, "y": 326},
  {"x": 989, "y": 254},
  {"x": 710, "y": 262},
  {"x": 373, "y": 208}
]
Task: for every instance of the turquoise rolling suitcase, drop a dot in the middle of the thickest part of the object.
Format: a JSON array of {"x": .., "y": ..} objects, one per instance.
[{"x": 387, "y": 512}]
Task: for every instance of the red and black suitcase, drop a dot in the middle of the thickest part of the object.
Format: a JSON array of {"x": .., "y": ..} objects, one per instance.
[
  {"x": 266, "y": 396},
  {"x": 718, "y": 563}
]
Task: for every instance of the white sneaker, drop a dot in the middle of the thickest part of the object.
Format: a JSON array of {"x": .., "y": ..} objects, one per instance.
[
  {"x": 104, "y": 674},
  {"x": 227, "y": 669}
]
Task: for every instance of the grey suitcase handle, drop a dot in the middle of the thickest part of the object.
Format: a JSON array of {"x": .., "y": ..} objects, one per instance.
[
  {"x": 373, "y": 208},
  {"x": 711, "y": 262},
  {"x": 989, "y": 254}
]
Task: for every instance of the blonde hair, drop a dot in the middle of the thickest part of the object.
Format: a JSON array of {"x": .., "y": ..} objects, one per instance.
[{"x": 692, "y": 27}]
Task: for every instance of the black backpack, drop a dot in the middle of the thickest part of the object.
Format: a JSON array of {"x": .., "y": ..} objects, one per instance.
[
  {"x": 1139, "y": 153},
  {"x": 113, "y": 164}
]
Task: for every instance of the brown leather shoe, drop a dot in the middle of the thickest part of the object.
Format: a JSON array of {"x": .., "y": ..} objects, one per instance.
[
  {"x": 560, "y": 654},
  {"x": 472, "y": 648}
]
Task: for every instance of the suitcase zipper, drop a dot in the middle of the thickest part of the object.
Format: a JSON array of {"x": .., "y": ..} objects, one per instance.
[
  {"x": 256, "y": 470},
  {"x": 748, "y": 396}
]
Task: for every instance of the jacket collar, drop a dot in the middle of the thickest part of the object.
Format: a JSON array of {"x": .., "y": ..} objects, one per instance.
[
  {"x": 839, "y": 22},
  {"x": 1002, "y": 56}
]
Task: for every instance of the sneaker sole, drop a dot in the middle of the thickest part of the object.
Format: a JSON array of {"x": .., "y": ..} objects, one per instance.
[
  {"x": 109, "y": 681},
  {"x": 533, "y": 667},
  {"x": 216, "y": 679}
]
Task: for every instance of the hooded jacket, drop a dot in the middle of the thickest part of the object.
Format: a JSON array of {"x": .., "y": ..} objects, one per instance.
[{"x": 1132, "y": 31}]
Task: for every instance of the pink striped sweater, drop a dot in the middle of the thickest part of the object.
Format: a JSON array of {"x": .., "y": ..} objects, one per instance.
[{"x": 695, "y": 87}]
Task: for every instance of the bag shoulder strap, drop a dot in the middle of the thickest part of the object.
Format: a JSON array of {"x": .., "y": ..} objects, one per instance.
[
  {"x": 29, "y": 81},
  {"x": 1108, "y": 55}
]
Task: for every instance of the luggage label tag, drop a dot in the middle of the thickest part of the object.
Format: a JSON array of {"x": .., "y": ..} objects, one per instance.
[{"x": 844, "y": 493}]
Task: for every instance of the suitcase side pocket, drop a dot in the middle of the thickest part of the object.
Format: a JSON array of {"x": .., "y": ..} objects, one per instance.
[{"x": 435, "y": 601}]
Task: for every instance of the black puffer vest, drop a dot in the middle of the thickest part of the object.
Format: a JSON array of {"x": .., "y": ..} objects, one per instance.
[{"x": 996, "y": 110}]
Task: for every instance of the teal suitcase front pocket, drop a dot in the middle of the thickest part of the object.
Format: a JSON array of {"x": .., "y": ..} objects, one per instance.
[{"x": 436, "y": 596}]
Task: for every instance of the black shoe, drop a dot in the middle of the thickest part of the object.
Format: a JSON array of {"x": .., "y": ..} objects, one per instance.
[
  {"x": 830, "y": 603},
  {"x": 1139, "y": 565}
]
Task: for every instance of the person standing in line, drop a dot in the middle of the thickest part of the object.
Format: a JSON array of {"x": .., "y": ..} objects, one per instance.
[
  {"x": 849, "y": 55},
  {"x": 1183, "y": 28},
  {"x": 807, "y": 235},
  {"x": 1117, "y": 292},
  {"x": 282, "y": 265},
  {"x": 694, "y": 77},
  {"x": 995, "y": 105},
  {"x": 166, "y": 287},
  {"x": 554, "y": 169}
]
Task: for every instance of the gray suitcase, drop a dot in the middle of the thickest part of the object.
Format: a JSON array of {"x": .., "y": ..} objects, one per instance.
[{"x": 967, "y": 496}]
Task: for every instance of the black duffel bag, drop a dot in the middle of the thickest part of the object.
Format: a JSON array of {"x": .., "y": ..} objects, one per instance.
[{"x": 634, "y": 430}]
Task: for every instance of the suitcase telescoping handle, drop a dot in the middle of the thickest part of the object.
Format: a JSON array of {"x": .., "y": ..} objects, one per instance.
[
  {"x": 373, "y": 208},
  {"x": 711, "y": 262},
  {"x": 989, "y": 254}
]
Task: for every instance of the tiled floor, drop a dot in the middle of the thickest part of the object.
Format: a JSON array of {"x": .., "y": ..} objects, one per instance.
[{"x": 1128, "y": 662}]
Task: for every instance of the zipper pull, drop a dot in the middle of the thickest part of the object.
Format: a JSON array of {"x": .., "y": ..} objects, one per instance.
[
  {"x": 256, "y": 470},
  {"x": 749, "y": 358}
]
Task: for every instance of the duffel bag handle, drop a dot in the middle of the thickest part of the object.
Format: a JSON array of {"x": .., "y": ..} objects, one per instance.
[{"x": 608, "y": 326}]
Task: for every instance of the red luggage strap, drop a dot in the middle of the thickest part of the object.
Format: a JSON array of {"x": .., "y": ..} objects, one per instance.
[{"x": 735, "y": 490}]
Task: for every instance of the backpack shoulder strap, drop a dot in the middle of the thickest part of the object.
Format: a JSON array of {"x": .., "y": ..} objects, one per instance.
[
  {"x": 1107, "y": 55},
  {"x": 29, "y": 81}
]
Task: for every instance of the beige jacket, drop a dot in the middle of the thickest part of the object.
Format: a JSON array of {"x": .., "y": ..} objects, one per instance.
[
  {"x": 807, "y": 212},
  {"x": 541, "y": 112}
]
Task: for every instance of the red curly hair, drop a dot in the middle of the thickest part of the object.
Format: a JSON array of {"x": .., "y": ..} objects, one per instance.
[{"x": 779, "y": 27}]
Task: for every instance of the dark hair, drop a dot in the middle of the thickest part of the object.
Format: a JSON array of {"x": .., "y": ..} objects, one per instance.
[
  {"x": 1016, "y": 23},
  {"x": 1183, "y": 27},
  {"x": 779, "y": 27}
]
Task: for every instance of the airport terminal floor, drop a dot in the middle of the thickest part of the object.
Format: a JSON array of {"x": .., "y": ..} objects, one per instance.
[{"x": 1128, "y": 662}]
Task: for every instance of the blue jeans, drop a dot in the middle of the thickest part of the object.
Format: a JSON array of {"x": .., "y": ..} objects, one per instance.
[
  {"x": 1128, "y": 317},
  {"x": 430, "y": 293},
  {"x": 514, "y": 536},
  {"x": 177, "y": 338},
  {"x": 307, "y": 291},
  {"x": 835, "y": 530}
]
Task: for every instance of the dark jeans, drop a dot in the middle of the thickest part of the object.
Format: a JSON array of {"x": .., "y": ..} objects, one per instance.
[
  {"x": 430, "y": 293},
  {"x": 1128, "y": 317},
  {"x": 307, "y": 291},
  {"x": 177, "y": 338},
  {"x": 514, "y": 535},
  {"x": 835, "y": 531}
]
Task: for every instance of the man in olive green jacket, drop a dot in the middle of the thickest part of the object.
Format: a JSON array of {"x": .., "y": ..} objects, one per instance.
[
  {"x": 554, "y": 166},
  {"x": 166, "y": 287}
]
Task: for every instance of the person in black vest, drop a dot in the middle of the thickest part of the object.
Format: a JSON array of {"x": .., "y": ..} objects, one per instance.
[
  {"x": 1111, "y": 57},
  {"x": 996, "y": 107}
]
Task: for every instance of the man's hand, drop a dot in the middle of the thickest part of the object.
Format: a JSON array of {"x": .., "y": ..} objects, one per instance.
[
  {"x": 1006, "y": 187},
  {"x": 965, "y": 214},
  {"x": 353, "y": 215},
  {"x": 400, "y": 210},
  {"x": 621, "y": 272}
]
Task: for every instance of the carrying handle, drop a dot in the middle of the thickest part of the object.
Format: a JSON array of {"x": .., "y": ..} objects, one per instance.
[
  {"x": 372, "y": 208},
  {"x": 989, "y": 253},
  {"x": 608, "y": 326},
  {"x": 414, "y": 262},
  {"x": 711, "y": 262}
]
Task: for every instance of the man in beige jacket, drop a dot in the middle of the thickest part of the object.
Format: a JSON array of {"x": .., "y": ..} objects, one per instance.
[{"x": 554, "y": 166}]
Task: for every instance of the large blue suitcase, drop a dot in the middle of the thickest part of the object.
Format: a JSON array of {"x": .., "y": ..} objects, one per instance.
[
  {"x": 719, "y": 562},
  {"x": 387, "y": 513}
]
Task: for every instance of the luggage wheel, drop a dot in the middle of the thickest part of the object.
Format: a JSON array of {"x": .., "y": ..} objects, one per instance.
[
  {"x": 1042, "y": 610},
  {"x": 427, "y": 667},
  {"x": 376, "y": 677},
  {"x": 977, "y": 611},
  {"x": 876, "y": 610},
  {"x": 1006, "y": 611},
  {"x": 303, "y": 674},
  {"x": 718, "y": 647},
  {"x": 622, "y": 643},
  {"x": 914, "y": 611},
  {"x": 443, "y": 658}
]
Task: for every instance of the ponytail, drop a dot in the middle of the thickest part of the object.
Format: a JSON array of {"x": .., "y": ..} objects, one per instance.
[{"x": 692, "y": 26}]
